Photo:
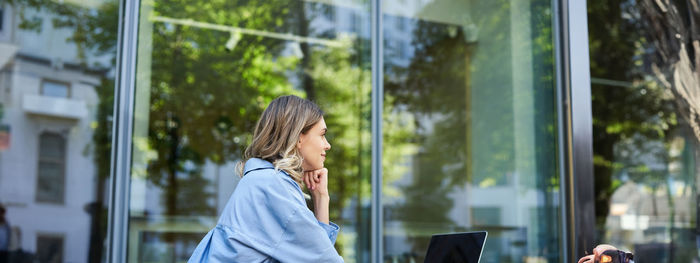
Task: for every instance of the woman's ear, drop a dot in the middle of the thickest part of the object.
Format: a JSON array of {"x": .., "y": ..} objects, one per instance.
[{"x": 301, "y": 139}]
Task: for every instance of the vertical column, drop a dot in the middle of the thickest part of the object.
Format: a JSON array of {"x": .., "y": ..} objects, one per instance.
[
  {"x": 582, "y": 127},
  {"x": 575, "y": 88},
  {"x": 562, "y": 129},
  {"x": 377, "y": 247},
  {"x": 121, "y": 138}
]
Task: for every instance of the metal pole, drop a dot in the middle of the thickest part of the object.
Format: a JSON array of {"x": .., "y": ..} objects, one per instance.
[
  {"x": 121, "y": 133},
  {"x": 578, "y": 121},
  {"x": 377, "y": 37}
]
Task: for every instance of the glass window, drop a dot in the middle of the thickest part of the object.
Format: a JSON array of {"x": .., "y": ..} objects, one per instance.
[
  {"x": 51, "y": 176},
  {"x": 470, "y": 130},
  {"x": 205, "y": 75},
  {"x": 644, "y": 64},
  {"x": 2, "y": 18},
  {"x": 49, "y": 248},
  {"x": 55, "y": 153},
  {"x": 55, "y": 89}
]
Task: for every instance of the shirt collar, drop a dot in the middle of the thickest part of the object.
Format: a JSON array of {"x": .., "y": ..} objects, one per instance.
[{"x": 255, "y": 164}]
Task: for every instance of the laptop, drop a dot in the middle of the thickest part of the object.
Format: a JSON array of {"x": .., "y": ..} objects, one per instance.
[{"x": 456, "y": 247}]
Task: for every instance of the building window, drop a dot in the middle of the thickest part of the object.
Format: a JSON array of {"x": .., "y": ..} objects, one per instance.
[
  {"x": 55, "y": 89},
  {"x": 486, "y": 216},
  {"x": 401, "y": 24},
  {"x": 2, "y": 18},
  {"x": 51, "y": 171},
  {"x": 354, "y": 21},
  {"x": 49, "y": 248}
]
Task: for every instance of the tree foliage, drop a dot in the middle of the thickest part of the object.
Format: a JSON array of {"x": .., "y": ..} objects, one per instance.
[{"x": 644, "y": 66}]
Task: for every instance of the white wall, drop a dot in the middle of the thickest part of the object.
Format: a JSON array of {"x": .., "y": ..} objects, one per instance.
[{"x": 19, "y": 163}]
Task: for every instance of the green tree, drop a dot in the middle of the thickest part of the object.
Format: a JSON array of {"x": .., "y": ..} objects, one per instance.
[
  {"x": 643, "y": 58},
  {"x": 458, "y": 91},
  {"x": 194, "y": 107},
  {"x": 613, "y": 42}
]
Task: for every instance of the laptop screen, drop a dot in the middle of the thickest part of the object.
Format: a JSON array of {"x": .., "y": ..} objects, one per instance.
[{"x": 457, "y": 247}]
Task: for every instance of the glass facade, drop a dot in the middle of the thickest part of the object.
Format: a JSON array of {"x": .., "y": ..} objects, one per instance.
[
  {"x": 57, "y": 71},
  {"x": 463, "y": 110},
  {"x": 645, "y": 86},
  {"x": 469, "y": 117},
  {"x": 205, "y": 75}
]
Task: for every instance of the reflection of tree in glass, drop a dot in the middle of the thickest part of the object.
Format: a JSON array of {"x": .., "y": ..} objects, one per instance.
[
  {"x": 205, "y": 98},
  {"x": 612, "y": 58},
  {"x": 342, "y": 89},
  {"x": 651, "y": 46},
  {"x": 436, "y": 88},
  {"x": 432, "y": 89},
  {"x": 214, "y": 96}
]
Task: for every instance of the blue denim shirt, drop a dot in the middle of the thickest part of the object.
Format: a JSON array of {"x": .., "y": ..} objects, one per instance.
[{"x": 267, "y": 220}]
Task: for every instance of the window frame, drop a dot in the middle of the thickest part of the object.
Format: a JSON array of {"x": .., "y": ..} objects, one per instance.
[
  {"x": 62, "y": 164},
  {"x": 46, "y": 80},
  {"x": 49, "y": 235}
]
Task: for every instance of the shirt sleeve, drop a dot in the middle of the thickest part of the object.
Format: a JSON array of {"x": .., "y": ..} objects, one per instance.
[
  {"x": 331, "y": 229},
  {"x": 215, "y": 247},
  {"x": 305, "y": 239}
]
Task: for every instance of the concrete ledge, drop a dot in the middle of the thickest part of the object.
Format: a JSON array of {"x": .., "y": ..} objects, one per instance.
[{"x": 55, "y": 107}]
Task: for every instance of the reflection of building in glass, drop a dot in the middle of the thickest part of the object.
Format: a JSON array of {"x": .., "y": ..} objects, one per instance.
[
  {"x": 48, "y": 178},
  {"x": 510, "y": 212},
  {"x": 650, "y": 222}
]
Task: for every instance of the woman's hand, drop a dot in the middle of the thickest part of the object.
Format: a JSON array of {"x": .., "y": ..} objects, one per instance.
[
  {"x": 317, "y": 183},
  {"x": 597, "y": 251}
]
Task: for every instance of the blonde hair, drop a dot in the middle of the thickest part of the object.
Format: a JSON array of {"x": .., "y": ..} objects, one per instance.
[{"x": 277, "y": 133}]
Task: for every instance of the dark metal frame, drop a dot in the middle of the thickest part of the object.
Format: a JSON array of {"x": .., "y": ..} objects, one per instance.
[{"x": 576, "y": 127}]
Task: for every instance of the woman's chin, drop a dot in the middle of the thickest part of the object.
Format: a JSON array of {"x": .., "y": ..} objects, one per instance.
[{"x": 312, "y": 167}]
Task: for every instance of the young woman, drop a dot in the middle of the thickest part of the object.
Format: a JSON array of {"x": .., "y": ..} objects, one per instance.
[{"x": 266, "y": 219}]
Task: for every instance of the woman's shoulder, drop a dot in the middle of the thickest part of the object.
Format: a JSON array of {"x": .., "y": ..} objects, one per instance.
[
  {"x": 269, "y": 178},
  {"x": 261, "y": 170},
  {"x": 260, "y": 188}
]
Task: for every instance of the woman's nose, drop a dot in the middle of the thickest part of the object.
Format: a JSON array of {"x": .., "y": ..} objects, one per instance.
[{"x": 328, "y": 146}]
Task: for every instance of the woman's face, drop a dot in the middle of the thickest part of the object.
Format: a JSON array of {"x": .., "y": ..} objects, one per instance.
[{"x": 313, "y": 146}]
